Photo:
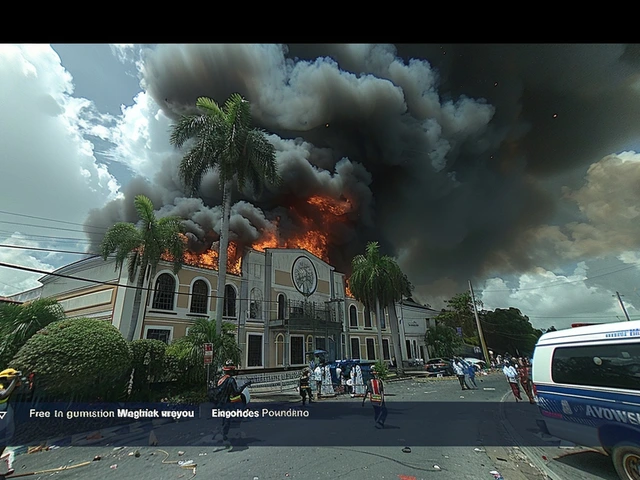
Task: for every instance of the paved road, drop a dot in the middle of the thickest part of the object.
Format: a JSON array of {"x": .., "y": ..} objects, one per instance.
[
  {"x": 483, "y": 450},
  {"x": 558, "y": 460}
]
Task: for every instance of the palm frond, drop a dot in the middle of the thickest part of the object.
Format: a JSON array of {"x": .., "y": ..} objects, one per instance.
[
  {"x": 188, "y": 127},
  {"x": 195, "y": 164},
  {"x": 144, "y": 207},
  {"x": 120, "y": 239},
  {"x": 209, "y": 106}
]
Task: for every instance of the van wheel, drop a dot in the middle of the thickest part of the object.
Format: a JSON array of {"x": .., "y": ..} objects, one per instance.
[{"x": 626, "y": 460}]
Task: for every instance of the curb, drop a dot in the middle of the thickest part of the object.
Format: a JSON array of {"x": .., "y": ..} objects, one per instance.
[{"x": 531, "y": 455}]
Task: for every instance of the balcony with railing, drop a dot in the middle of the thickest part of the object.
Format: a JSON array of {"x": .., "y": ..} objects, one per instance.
[{"x": 306, "y": 314}]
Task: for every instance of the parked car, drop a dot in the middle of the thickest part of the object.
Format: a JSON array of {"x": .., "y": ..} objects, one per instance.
[{"x": 439, "y": 366}]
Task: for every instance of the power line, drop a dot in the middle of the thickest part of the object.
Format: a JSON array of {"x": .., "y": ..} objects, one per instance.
[
  {"x": 38, "y": 249},
  {"x": 111, "y": 284},
  {"x": 50, "y": 219},
  {"x": 44, "y": 226}
]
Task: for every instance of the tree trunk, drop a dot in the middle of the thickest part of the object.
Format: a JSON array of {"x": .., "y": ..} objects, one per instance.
[
  {"x": 379, "y": 328},
  {"x": 223, "y": 254},
  {"x": 137, "y": 301},
  {"x": 395, "y": 336}
]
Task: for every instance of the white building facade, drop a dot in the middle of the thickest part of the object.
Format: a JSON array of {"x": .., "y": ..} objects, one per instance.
[{"x": 286, "y": 304}]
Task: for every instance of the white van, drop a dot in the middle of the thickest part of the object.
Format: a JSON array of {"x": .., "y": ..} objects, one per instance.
[{"x": 587, "y": 384}]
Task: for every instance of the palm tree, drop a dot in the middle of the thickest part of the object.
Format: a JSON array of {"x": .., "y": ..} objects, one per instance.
[
  {"x": 378, "y": 280},
  {"x": 142, "y": 246},
  {"x": 18, "y": 323},
  {"x": 189, "y": 350},
  {"x": 224, "y": 141}
]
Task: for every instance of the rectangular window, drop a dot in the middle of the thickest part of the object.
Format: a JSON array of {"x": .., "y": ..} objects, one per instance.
[
  {"x": 371, "y": 349},
  {"x": 383, "y": 320},
  {"x": 614, "y": 366},
  {"x": 385, "y": 349},
  {"x": 355, "y": 348},
  {"x": 297, "y": 350},
  {"x": 162, "y": 334},
  {"x": 254, "y": 351},
  {"x": 321, "y": 343}
]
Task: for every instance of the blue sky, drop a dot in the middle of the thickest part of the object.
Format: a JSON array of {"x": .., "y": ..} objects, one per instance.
[{"x": 523, "y": 182}]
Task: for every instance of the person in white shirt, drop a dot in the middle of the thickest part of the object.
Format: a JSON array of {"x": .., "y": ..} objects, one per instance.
[
  {"x": 512, "y": 377},
  {"x": 317, "y": 376},
  {"x": 458, "y": 368}
]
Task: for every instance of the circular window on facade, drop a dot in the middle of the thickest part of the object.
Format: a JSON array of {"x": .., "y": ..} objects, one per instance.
[{"x": 304, "y": 276}]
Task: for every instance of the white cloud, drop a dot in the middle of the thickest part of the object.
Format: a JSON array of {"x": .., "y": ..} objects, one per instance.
[
  {"x": 549, "y": 298},
  {"x": 141, "y": 137},
  {"x": 48, "y": 168}
]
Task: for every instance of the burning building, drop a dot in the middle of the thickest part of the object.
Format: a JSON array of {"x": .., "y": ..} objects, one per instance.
[{"x": 285, "y": 302}]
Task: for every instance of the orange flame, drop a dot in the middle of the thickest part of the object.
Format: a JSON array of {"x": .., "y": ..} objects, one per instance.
[
  {"x": 347, "y": 290},
  {"x": 209, "y": 258},
  {"x": 315, "y": 236}
]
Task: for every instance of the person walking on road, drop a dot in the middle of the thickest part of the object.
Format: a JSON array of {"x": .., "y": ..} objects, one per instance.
[
  {"x": 231, "y": 397},
  {"x": 471, "y": 370},
  {"x": 317, "y": 377},
  {"x": 305, "y": 386},
  {"x": 375, "y": 391},
  {"x": 524, "y": 371},
  {"x": 512, "y": 377},
  {"x": 458, "y": 368}
]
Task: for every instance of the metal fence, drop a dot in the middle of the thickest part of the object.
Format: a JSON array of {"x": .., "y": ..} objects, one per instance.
[{"x": 272, "y": 382}]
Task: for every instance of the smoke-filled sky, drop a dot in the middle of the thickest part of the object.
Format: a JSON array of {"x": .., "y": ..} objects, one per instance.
[{"x": 513, "y": 166}]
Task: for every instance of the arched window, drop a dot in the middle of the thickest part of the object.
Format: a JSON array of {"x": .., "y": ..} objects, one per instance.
[
  {"x": 353, "y": 316},
  {"x": 281, "y": 306},
  {"x": 279, "y": 349},
  {"x": 164, "y": 292},
  {"x": 229, "y": 301},
  {"x": 199, "y": 297},
  {"x": 255, "y": 303}
]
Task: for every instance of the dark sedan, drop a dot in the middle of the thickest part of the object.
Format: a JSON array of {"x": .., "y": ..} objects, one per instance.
[{"x": 439, "y": 366}]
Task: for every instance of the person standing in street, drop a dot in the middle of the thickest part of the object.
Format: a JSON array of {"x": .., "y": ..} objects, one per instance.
[
  {"x": 231, "y": 397},
  {"x": 305, "y": 386},
  {"x": 9, "y": 381},
  {"x": 524, "y": 372},
  {"x": 375, "y": 391},
  {"x": 317, "y": 377},
  {"x": 512, "y": 377},
  {"x": 459, "y": 371},
  {"x": 471, "y": 370}
]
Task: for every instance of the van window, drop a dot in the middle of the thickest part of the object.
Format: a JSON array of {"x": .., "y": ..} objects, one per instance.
[{"x": 615, "y": 366}]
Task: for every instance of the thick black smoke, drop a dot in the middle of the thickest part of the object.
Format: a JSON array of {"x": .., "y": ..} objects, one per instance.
[{"x": 440, "y": 149}]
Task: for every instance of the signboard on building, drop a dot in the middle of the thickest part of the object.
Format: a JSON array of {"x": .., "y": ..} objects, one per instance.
[{"x": 208, "y": 353}]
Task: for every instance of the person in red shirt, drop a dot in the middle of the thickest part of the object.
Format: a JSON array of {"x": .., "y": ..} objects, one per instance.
[{"x": 375, "y": 392}]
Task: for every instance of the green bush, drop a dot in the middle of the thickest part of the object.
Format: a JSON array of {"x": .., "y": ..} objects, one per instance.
[
  {"x": 77, "y": 359},
  {"x": 148, "y": 366},
  {"x": 382, "y": 369}
]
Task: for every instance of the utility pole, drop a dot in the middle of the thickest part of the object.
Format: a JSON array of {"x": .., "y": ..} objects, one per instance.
[
  {"x": 485, "y": 352},
  {"x": 622, "y": 306}
]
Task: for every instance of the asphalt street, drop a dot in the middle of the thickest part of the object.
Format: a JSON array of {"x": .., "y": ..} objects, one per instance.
[{"x": 347, "y": 448}]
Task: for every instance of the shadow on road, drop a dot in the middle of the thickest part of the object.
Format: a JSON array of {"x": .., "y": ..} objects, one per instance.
[{"x": 591, "y": 462}]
